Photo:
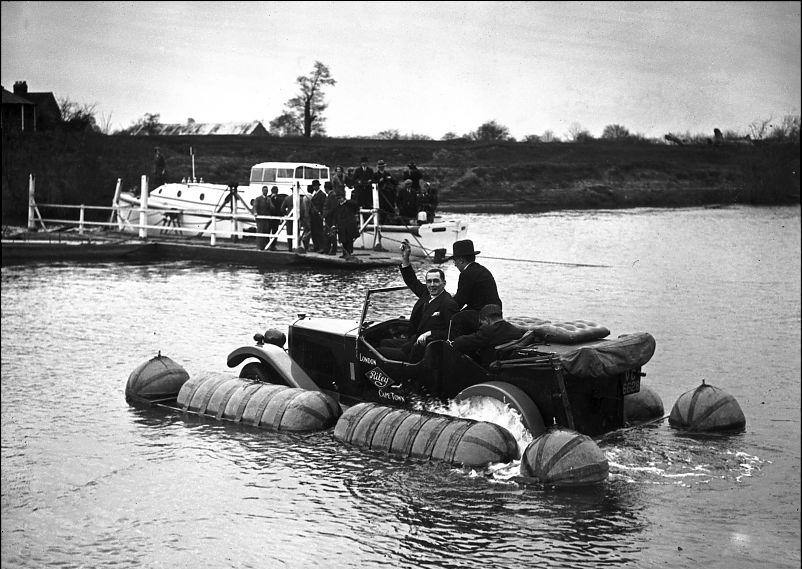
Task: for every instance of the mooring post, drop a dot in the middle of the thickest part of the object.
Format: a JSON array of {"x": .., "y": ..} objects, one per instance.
[
  {"x": 234, "y": 222},
  {"x": 377, "y": 236},
  {"x": 115, "y": 204},
  {"x": 31, "y": 203},
  {"x": 143, "y": 209},
  {"x": 213, "y": 240},
  {"x": 296, "y": 213},
  {"x": 81, "y": 221}
]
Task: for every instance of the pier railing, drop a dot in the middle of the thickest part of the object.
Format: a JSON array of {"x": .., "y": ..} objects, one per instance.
[{"x": 135, "y": 219}]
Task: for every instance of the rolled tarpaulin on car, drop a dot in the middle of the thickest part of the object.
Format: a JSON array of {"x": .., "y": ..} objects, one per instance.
[{"x": 425, "y": 435}]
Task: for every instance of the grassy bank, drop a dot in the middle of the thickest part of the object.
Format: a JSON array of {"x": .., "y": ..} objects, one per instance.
[{"x": 471, "y": 176}]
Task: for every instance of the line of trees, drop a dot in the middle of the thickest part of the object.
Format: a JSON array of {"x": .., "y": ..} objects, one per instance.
[{"x": 303, "y": 116}]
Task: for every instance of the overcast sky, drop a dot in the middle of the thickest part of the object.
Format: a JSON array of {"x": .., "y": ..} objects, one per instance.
[{"x": 424, "y": 68}]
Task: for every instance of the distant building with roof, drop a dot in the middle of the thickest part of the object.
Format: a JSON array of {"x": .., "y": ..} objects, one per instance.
[
  {"x": 23, "y": 110},
  {"x": 253, "y": 128}
]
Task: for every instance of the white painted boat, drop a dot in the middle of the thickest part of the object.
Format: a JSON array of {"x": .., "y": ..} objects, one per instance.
[{"x": 192, "y": 208}]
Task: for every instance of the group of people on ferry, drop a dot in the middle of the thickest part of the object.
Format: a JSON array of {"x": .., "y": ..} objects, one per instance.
[
  {"x": 327, "y": 216},
  {"x": 471, "y": 319},
  {"x": 399, "y": 203}
]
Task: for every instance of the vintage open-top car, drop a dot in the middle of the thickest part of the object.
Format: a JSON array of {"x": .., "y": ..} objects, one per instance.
[{"x": 568, "y": 374}]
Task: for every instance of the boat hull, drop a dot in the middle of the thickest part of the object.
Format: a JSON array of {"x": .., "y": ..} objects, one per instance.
[{"x": 423, "y": 239}]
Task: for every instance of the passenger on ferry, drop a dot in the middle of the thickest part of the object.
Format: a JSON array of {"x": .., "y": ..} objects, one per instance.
[
  {"x": 345, "y": 218},
  {"x": 476, "y": 289},
  {"x": 304, "y": 232},
  {"x": 426, "y": 202},
  {"x": 412, "y": 173},
  {"x": 430, "y": 315},
  {"x": 407, "y": 202},
  {"x": 329, "y": 221},
  {"x": 159, "y": 168},
  {"x": 276, "y": 201},
  {"x": 318, "y": 200},
  {"x": 385, "y": 184},
  {"x": 363, "y": 185},
  {"x": 338, "y": 181},
  {"x": 493, "y": 331},
  {"x": 261, "y": 206},
  {"x": 305, "y": 218}
]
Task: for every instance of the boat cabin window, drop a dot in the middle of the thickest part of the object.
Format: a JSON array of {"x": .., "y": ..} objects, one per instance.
[
  {"x": 284, "y": 173},
  {"x": 263, "y": 175},
  {"x": 309, "y": 173}
]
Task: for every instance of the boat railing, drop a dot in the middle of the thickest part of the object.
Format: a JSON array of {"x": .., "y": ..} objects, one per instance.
[{"x": 170, "y": 222}]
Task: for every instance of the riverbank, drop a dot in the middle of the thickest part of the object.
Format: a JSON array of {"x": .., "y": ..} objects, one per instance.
[{"x": 489, "y": 177}]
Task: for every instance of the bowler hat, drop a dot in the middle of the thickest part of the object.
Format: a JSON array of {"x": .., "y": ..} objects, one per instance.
[
  {"x": 463, "y": 248},
  {"x": 380, "y": 163}
]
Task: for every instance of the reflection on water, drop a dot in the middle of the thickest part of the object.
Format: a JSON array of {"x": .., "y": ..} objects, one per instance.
[{"x": 88, "y": 481}]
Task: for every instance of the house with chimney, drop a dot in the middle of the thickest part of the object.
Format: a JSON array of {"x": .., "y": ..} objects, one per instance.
[{"x": 28, "y": 111}]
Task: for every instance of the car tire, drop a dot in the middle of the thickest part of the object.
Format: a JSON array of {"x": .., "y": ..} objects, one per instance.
[
  {"x": 509, "y": 394},
  {"x": 258, "y": 371}
]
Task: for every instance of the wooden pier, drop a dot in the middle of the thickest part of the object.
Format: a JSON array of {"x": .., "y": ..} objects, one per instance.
[
  {"x": 111, "y": 245},
  {"x": 57, "y": 239}
]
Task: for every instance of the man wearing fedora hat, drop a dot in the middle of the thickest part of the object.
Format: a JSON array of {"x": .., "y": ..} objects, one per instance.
[
  {"x": 476, "y": 288},
  {"x": 362, "y": 180},
  {"x": 385, "y": 183}
]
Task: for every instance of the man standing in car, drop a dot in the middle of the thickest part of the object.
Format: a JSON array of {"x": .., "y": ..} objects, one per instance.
[{"x": 475, "y": 290}]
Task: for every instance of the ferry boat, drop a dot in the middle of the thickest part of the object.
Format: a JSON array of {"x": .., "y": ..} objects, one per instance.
[{"x": 198, "y": 208}]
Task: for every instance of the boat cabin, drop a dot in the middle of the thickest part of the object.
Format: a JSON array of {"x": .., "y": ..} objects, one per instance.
[{"x": 287, "y": 175}]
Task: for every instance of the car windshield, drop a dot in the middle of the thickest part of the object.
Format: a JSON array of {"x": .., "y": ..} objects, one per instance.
[{"x": 386, "y": 305}]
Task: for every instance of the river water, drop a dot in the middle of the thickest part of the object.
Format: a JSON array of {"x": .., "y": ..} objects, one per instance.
[{"x": 89, "y": 482}]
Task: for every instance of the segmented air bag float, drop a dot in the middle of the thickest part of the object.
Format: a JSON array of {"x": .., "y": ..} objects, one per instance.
[
  {"x": 264, "y": 405},
  {"x": 643, "y": 405},
  {"x": 158, "y": 378},
  {"x": 707, "y": 408},
  {"x": 563, "y": 457},
  {"x": 419, "y": 434}
]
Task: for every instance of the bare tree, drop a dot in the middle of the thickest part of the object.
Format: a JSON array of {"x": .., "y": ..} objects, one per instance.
[
  {"x": 578, "y": 134},
  {"x": 77, "y": 116},
  {"x": 787, "y": 130},
  {"x": 105, "y": 123},
  {"x": 286, "y": 124},
  {"x": 491, "y": 131},
  {"x": 615, "y": 132},
  {"x": 390, "y": 134},
  {"x": 548, "y": 136},
  {"x": 307, "y": 107}
]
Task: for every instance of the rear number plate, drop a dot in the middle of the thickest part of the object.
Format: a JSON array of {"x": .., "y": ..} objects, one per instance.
[{"x": 631, "y": 382}]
